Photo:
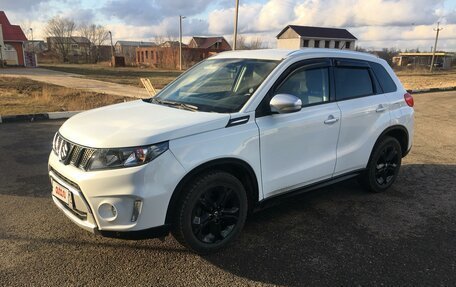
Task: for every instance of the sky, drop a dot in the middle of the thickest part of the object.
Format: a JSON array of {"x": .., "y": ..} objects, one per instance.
[{"x": 400, "y": 24}]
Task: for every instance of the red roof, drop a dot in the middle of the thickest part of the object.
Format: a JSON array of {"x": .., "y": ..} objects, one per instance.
[{"x": 11, "y": 32}]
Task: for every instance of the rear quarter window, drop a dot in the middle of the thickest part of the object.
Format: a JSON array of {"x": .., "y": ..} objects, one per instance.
[
  {"x": 383, "y": 78},
  {"x": 353, "y": 83}
]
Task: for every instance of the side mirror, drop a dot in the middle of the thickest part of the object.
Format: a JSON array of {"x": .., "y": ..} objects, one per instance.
[{"x": 285, "y": 103}]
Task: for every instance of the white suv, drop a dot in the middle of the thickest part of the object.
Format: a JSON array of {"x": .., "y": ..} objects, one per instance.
[{"x": 230, "y": 135}]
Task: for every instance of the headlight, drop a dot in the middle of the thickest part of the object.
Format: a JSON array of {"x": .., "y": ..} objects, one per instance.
[{"x": 125, "y": 157}]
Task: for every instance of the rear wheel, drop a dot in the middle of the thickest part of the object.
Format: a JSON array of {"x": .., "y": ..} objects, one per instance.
[
  {"x": 211, "y": 213},
  {"x": 383, "y": 167}
]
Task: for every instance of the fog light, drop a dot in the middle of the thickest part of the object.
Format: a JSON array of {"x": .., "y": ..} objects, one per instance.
[
  {"x": 107, "y": 211},
  {"x": 136, "y": 210}
]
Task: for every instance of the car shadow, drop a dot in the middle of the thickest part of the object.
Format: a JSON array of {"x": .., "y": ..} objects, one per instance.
[{"x": 342, "y": 232}]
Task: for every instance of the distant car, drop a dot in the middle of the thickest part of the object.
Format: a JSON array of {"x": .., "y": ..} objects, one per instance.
[{"x": 233, "y": 133}]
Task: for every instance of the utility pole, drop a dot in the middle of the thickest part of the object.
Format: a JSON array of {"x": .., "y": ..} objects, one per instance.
[
  {"x": 112, "y": 50},
  {"x": 435, "y": 44},
  {"x": 236, "y": 16},
  {"x": 180, "y": 41}
]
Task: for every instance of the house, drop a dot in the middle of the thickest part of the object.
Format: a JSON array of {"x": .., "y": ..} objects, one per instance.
[
  {"x": 75, "y": 45},
  {"x": 214, "y": 43},
  {"x": 171, "y": 44},
  {"x": 12, "y": 40},
  {"x": 36, "y": 46},
  {"x": 127, "y": 49},
  {"x": 71, "y": 49},
  {"x": 296, "y": 37},
  {"x": 442, "y": 60}
]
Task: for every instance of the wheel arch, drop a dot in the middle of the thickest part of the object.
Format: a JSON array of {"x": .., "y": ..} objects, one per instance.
[
  {"x": 237, "y": 167},
  {"x": 398, "y": 132}
]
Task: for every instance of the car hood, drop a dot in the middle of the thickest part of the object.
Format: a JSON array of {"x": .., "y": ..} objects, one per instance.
[{"x": 137, "y": 123}]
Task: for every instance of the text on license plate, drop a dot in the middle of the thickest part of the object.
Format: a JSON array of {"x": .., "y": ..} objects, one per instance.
[{"x": 60, "y": 192}]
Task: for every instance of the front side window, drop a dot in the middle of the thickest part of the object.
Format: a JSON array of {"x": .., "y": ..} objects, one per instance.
[
  {"x": 218, "y": 85},
  {"x": 352, "y": 83},
  {"x": 310, "y": 85}
]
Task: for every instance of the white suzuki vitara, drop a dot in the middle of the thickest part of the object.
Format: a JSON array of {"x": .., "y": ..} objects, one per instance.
[{"x": 231, "y": 134}]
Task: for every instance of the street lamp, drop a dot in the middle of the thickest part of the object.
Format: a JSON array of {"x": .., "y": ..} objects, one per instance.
[
  {"x": 180, "y": 41},
  {"x": 1, "y": 56},
  {"x": 33, "y": 45},
  {"x": 112, "y": 48}
]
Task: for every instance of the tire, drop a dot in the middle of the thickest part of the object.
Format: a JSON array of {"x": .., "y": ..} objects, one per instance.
[
  {"x": 383, "y": 166},
  {"x": 211, "y": 213}
]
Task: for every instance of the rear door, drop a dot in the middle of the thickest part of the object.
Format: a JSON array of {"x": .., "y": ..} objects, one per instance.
[{"x": 364, "y": 110}]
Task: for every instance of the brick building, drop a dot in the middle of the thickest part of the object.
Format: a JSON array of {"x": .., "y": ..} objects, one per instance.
[
  {"x": 12, "y": 40},
  {"x": 166, "y": 56}
]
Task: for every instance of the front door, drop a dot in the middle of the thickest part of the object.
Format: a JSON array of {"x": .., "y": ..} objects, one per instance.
[{"x": 299, "y": 148}]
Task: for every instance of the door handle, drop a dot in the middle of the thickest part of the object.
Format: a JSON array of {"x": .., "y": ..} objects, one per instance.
[
  {"x": 331, "y": 119},
  {"x": 380, "y": 109}
]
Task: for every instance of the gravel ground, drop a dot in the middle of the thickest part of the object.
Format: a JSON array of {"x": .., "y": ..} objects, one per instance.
[{"x": 340, "y": 235}]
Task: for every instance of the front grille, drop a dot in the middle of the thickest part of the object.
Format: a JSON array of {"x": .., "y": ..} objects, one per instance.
[{"x": 76, "y": 155}]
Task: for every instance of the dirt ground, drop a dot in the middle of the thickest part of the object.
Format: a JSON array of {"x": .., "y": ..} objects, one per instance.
[
  {"x": 424, "y": 80},
  {"x": 411, "y": 79},
  {"x": 124, "y": 75},
  {"x": 20, "y": 96}
]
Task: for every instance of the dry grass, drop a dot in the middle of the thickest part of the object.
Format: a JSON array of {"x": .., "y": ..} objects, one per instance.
[
  {"x": 24, "y": 96},
  {"x": 126, "y": 76},
  {"x": 423, "y": 79}
]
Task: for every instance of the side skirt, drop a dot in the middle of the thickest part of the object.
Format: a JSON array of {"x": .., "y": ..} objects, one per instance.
[{"x": 277, "y": 199}]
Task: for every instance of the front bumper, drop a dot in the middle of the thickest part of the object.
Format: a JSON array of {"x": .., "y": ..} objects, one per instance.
[{"x": 151, "y": 185}]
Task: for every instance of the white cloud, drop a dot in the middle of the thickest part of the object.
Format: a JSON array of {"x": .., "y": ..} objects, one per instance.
[{"x": 373, "y": 22}]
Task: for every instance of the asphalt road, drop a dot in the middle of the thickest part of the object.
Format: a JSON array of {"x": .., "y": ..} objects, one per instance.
[{"x": 340, "y": 235}]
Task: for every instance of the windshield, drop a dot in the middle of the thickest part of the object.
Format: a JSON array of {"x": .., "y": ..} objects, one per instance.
[{"x": 217, "y": 85}]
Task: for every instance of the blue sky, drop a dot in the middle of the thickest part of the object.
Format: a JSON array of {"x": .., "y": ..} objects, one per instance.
[{"x": 404, "y": 24}]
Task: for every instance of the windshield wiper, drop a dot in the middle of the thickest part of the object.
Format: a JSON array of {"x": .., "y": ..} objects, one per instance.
[{"x": 175, "y": 104}]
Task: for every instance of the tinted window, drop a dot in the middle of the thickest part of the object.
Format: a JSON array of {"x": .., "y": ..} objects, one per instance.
[
  {"x": 311, "y": 86},
  {"x": 384, "y": 78},
  {"x": 352, "y": 83}
]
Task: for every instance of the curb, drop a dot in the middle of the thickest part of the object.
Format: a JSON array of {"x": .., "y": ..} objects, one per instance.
[
  {"x": 432, "y": 90},
  {"x": 37, "y": 117}
]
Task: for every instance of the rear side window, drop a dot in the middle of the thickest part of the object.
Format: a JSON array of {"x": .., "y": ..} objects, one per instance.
[
  {"x": 352, "y": 83},
  {"x": 384, "y": 78}
]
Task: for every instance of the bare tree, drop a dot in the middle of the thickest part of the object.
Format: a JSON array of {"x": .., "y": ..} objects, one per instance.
[
  {"x": 159, "y": 39},
  {"x": 60, "y": 31},
  {"x": 256, "y": 43},
  {"x": 97, "y": 35}
]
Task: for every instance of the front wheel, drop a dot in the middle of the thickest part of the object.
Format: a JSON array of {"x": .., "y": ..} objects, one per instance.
[
  {"x": 211, "y": 213},
  {"x": 383, "y": 166}
]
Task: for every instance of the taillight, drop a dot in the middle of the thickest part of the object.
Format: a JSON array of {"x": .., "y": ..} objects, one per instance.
[{"x": 408, "y": 99}]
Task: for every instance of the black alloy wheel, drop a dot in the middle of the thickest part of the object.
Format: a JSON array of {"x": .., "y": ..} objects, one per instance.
[
  {"x": 383, "y": 167},
  {"x": 211, "y": 212},
  {"x": 386, "y": 165},
  {"x": 216, "y": 214}
]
